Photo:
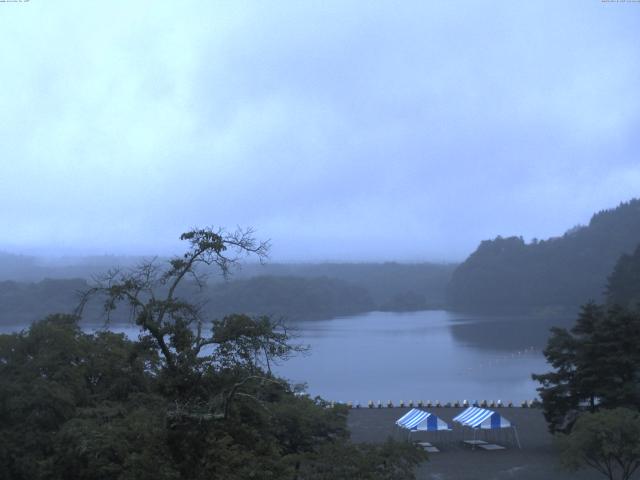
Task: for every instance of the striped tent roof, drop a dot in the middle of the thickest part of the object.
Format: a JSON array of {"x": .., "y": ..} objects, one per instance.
[
  {"x": 476, "y": 417},
  {"x": 408, "y": 415},
  {"x": 419, "y": 420}
]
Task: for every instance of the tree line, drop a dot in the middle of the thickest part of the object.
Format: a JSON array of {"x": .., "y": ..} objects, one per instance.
[
  {"x": 189, "y": 399},
  {"x": 294, "y": 292}
]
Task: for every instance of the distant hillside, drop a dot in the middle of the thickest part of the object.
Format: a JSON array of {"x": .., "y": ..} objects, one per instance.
[
  {"x": 293, "y": 298},
  {"x": 391, "y": 285},
  {"x": 387, "y": 286},
  {"x": 25, "y": 268},
  {"x": 22, "y": 302},
  {"x": 282, "y": 296},
  {"x": 507, "y": 273}
]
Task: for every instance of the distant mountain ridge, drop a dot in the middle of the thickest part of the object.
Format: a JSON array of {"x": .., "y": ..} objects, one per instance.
[
  {"x": 566, "y": 271},
  {"x": 32, "y": 287},
  {"x": 294, "y": 291},
  {"x": 292, "y": 298}
]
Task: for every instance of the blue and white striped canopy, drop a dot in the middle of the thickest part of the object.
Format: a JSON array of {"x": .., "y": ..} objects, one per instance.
[
  {"x": 476, "y": 417},
  {"x": 419, "y": 420}
]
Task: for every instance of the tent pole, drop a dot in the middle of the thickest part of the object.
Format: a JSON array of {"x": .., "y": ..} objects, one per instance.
[{"x": 515, "y": 430}]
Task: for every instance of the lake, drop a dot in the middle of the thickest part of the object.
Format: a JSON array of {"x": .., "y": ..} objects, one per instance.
[{"x": 427, "y": 355}]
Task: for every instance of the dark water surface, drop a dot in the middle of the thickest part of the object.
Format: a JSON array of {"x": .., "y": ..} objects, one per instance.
[{"x": 428, "y": 355}]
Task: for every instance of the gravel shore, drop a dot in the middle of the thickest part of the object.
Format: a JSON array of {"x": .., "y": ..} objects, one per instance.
[{"x": 536, "y": 461}]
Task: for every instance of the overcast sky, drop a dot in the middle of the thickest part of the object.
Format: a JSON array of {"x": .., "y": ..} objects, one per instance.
[{"x": 339, "y": 130}]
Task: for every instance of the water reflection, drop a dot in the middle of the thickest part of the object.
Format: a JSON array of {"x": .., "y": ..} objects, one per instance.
[{"x": 504, "y": 333}]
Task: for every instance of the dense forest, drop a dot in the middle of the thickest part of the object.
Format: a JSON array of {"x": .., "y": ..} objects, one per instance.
[
  {"x": 24, "y": 302},
  {"x": 391, "y": 285},
  {"x": 288, "y": 297},
  {"x": 295, "y": 292},
  {"x": 292, "y": 298},
  {"x": 188, "y": 399},
  {"x": 510, "y": 274}
]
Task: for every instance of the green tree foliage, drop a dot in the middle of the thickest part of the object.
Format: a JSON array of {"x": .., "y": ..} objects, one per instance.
[
  {"x": 388, "y": 461},
  {"x": 507, "y": 273},
  {"x": 57, "y": 382},
  {"x": 187, "y": 400},
  {"x": 596, "y": 365},
  {"x": 623, "y": 288},
  {"x": 607, "y": 441}
]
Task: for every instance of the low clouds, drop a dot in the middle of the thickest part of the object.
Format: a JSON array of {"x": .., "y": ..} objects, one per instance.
[{"x": 339, "y": 130}]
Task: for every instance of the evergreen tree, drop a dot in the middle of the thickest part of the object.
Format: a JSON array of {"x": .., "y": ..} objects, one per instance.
[
  {"x": 596, "y": 365},
  {"x": 623, "y": 286}
]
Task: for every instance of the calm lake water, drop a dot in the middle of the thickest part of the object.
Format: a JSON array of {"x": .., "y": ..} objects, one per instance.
[{"x": 429, "y": 355}]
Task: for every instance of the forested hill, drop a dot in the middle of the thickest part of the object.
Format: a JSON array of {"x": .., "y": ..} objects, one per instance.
[
  {"x": 566, "y": 271},
  {"x": 294, "y": 291},
  {"x": 294, "y": 297},
  {"x": 392, "y": 286}
]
